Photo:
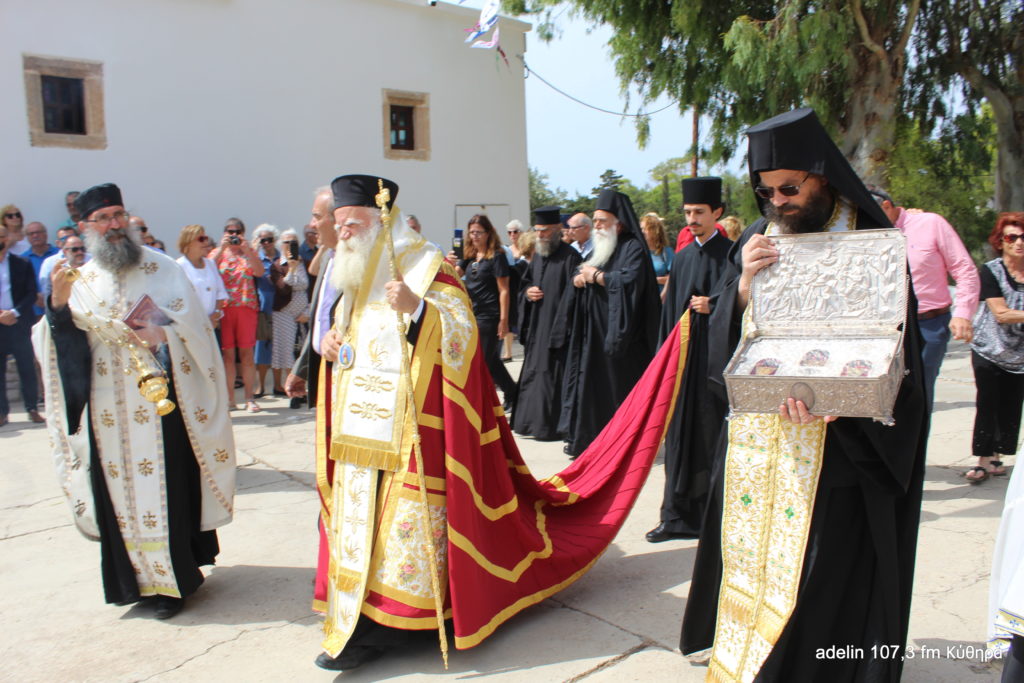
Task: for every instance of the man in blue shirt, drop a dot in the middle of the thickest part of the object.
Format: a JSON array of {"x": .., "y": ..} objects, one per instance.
[{"x": 38, "y": 252}]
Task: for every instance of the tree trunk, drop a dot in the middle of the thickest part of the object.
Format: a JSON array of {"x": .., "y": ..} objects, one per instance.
[
  {"x": 868, "y": 129},
  {"x": 1009, "y": 115}
]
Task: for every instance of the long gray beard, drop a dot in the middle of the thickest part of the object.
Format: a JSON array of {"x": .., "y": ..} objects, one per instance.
[
  {"x": 114, "y": 256},
  {"x": 546, "y": 247},
  {"x": 605, "y": 242},
  {"x": 350, "y": 259}
]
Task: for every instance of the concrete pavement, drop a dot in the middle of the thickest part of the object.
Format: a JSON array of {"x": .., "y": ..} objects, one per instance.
[{"x": 252, "y": 619}]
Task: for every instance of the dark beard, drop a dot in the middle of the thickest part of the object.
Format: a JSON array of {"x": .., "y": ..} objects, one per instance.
[
  {"x": 811, "y": 218},
  {"x": 114, "y": 256}
]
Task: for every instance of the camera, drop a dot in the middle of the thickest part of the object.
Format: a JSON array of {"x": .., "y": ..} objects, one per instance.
[{"x": 235, "y": 239}]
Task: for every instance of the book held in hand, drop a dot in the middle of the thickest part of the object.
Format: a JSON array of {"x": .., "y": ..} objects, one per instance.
[{"x": 145, "y": 313}]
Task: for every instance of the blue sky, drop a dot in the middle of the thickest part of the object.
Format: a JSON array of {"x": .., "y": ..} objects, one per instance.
[{"x": 572, "y": 144}]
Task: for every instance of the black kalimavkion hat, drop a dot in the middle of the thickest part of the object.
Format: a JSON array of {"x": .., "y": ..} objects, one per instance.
[
  {"x": 361, "y": 190},
  {"x": 98, "y": 197}
]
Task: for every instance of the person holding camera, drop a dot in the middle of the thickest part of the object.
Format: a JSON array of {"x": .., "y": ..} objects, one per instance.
[
  {"x": 239, "y": 266},
  {"x": 290, "y": 306}
]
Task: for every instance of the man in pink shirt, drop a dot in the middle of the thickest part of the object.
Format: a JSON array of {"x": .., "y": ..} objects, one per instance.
[{"x": 935, "y": 253}]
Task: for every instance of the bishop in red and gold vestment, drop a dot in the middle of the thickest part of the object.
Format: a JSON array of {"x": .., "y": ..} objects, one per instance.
[{"x": 491, "y": 539}]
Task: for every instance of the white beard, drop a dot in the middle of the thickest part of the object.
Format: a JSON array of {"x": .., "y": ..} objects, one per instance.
[
  {"x": 350, "y": 259},
  {"x": 604, "y": 246},
  {"x": 546, "y": 247}
]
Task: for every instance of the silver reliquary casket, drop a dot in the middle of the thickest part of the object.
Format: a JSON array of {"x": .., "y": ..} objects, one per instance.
[{"x": 825, "y": 326}]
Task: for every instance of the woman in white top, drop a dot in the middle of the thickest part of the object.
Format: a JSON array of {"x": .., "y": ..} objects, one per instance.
[{"x": 192, "y": 243}]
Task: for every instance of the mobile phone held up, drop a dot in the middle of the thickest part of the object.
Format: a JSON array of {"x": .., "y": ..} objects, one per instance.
[
  {"x": 457, "y": 244},
  {"x": 293, "y": 251}
]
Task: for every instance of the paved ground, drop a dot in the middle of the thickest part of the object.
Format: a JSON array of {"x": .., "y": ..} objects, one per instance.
[{"x": 251, "y": 620}]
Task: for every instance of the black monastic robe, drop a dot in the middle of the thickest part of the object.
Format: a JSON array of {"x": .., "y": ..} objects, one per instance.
[
  {"x": 855, "y": 587},
  {"x": 692, "y": 435},
  {"x": 540, "y": 379},
  {"x": 612, "y": 337}
]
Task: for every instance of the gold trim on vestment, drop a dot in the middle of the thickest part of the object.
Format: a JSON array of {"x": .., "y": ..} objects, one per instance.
[
  {"x": 322, "y": 443},
  {"x": 473, "y": 639},
  {"x": 407, "y": 623},
  {"x": 771, "y": 479},
  {"x": 524, "y": 564},
  {"x": 491, "y": 513}
]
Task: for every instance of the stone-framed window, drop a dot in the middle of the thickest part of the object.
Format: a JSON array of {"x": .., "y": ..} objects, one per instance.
[
  {"x": 406, "y": 125},
  {"x": 65, "y": 102}
]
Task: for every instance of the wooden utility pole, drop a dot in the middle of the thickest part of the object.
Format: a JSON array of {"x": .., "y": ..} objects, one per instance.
[{"x": 696, "y": 141}]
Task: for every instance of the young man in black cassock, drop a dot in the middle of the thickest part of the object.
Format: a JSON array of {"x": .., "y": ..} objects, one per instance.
[
  {"x": 853, "y": 530},
  {"x": 612, "y": 313},
  {"x": 540, "y": 380},
  {"x": 698, "y": 418}
]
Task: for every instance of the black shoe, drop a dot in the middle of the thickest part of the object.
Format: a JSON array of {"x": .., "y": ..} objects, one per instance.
[
  {"x": 659, "y": 534},
  {"x": 279, "y": 392},
  {"x": 296, "y": 403},
  {"x": 167, "y": 607},
  {"x": 351, "y": 657}
]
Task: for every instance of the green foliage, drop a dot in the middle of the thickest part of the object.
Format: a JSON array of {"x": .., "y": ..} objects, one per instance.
[
  {"x": 739, "y": 61},
  {"x": 610, "y": 180},
  {"x": 541, "y": 194},
  {"x": 668, "y": 175},
  {"x": 950, "y": 173}
]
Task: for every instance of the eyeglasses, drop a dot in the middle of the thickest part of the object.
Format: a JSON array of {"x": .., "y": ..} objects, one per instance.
[
  {"x": 1011, "y": 238},
  {"x": 266, "y": 240},
  {"x": 76, "y": 250},
  {"x": 120, "y": 216},
  {"x": 203, "y": 239},
  {"x": 232, "y": 231},
  {"x": 785, "y": 190},
  {"x": 16, "y": 214}
]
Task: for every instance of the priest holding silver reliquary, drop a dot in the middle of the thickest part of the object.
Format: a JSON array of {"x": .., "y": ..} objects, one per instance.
[
  {"x": 811, "y": 531},
  {"x": 136, "y": 410}
]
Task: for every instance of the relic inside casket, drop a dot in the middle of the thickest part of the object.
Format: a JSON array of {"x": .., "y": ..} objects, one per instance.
[{"x": 825, "y": 326}]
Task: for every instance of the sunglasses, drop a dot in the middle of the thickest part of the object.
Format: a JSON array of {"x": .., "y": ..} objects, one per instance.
[
  {"x": 1010, "y": 239},
  {"x": 76, "y": 250},
  {"x": 16, "y": 214},
  {"x": 513, "y": 232},
  {"x": 785, "y": 190},
  {"x": 233, "y": 232},
  {"x": 266, "y": 240},
  {"x": 143, "y": 228},
  {"x": 203, "y": 239},
  {"x": 289, "y": 242}
]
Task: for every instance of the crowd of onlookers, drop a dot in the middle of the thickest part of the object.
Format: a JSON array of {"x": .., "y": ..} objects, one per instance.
[
  {"x": 255, "y": 289},
  {"x": 255, "y": 292}
]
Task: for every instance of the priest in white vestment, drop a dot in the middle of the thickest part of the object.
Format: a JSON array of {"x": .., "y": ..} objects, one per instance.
[{"x": 150, "y": 480}]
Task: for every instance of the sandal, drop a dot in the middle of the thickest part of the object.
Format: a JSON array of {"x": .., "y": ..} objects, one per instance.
[
  {"x": 998, "y": 469},
  {"x": 978, "y": 479},
  {"x": 252, "y": 407}
]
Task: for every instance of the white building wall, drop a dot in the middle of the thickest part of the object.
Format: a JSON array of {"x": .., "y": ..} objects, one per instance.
[{"x": 218, "y": 108}]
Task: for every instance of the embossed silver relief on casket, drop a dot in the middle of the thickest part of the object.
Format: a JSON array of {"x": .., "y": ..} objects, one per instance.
[{"x": 825, "y": 326}]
